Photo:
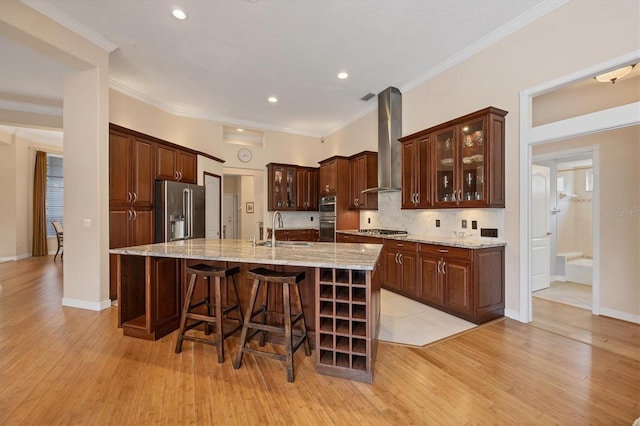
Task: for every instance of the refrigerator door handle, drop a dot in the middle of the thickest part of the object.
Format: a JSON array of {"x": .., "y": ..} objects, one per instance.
[
  {"x": 186, "y": 212},
  {"x": 190, "y": 212}
]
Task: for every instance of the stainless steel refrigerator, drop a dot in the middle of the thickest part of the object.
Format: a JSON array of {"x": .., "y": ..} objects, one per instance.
[{"x": 179, "y": 211}]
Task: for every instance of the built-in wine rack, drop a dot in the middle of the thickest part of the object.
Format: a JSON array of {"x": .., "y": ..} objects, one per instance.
[{"x": 346, "y": 327}]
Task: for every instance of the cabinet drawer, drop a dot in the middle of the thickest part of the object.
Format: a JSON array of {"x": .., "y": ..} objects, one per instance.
[
  {"x": 400, "y": 245},
  {"x": 446, "y": 251}
]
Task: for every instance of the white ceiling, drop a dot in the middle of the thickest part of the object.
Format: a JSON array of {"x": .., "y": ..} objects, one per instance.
[{"x": 229, "y": 56}]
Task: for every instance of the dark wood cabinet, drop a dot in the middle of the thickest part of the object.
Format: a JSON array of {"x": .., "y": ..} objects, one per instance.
[
  {"x": 281, "y": 186},
  {"x": 329, "y": 176},
  {"x": 416, "y": 180},
  {"x": 400, "y": 266},
  {"x": 341, "y": 237},
  {"x": 292, "y": 187},
  {"x": 463, "y": 282},
  {"x": 334, "y": 180},
  {"x": 311, "y": 235},
  {"x": 464, "y": 165},
  {"x": 363, "y": 175},
  {"x": 175, "y": 164},
  {"x": 306, "y": 189}
]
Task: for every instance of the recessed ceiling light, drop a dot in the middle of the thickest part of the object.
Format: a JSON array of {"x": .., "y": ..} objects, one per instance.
[
  {"x": 342, "y": 75},
  {"x": 179, "y": 14},
  {"x": 273, "y": 99},
  {"x": 240, "y": 130}
]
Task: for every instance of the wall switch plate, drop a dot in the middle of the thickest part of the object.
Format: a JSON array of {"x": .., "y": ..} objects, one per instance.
[
  {"x": 474, "y": 224},
  {"x": 437, "y": 223},
  {"x": 464, "y": 223},
  {"x": 489, "y": 232},
  {"x": 311, "y": 218}
]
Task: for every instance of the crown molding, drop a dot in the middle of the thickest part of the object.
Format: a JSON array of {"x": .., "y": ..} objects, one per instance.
[
  {"x": 68, "y": 22},
  {"x": 30, "y": 107}
]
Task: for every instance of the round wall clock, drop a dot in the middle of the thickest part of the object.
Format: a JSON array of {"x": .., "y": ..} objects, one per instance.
[{"x": 244, "y": 154}]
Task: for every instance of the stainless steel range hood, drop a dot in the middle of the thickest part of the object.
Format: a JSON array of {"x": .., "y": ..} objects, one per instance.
[{"x": 389, "y": 131}]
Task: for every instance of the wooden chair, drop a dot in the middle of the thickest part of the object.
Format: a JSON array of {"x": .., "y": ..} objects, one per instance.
[{"x": 59, "y": 235}]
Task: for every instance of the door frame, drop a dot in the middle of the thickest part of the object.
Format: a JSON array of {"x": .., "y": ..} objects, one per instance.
[
  {"x": 206, "y": 175},
  {"x": 600, "y": 121}
]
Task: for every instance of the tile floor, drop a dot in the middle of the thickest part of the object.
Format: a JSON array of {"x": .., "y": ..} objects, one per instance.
[
  {"x": 408, "y": 322},
  {"x": 569, "y": 293}
]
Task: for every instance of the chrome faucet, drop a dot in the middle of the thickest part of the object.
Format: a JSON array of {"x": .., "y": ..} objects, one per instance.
[{"x": 273, "y": 226}]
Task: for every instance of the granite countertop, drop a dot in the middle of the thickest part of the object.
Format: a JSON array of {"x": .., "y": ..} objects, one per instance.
[
  {"x": 324, "y": 255},
  {"x": 470, "y": 243}
]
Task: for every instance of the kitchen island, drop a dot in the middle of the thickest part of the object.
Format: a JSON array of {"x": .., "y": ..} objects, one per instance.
[{"x": 341, "y": 292}]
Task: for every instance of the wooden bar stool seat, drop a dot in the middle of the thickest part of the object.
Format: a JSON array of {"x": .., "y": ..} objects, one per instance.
[
  {"x": 216, "y": 313},
  {"x": 263, "y": 277}
]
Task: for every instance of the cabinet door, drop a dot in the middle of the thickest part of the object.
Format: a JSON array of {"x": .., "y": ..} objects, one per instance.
[
  {"x": 166, "y": 290},
  {"x": 119, "y": 169},
  {"x": 187, "y": 167},
  {"x": 306, "y": 189},
  {"x": 445, "y": 168},
  {"x": 328, "y": 178},
  {"x": 457, "y": 285},
  {"x": 429, "y": 288},
  {"x": 166, "y": 163},
  {"x": 142, "y": 172},
  {"x": 312, "y": 190},
  {"x": 119, "y": 227},
  {"x": 472, "y": 162},
  {"x": 357, "y": 173},
  {"x": 407, "y": 261},
  {"x": 391, "y": 275},
  {"x": 423, "y": 180},
  {"x": 141, "y": 225},
  {"x": 409, "y": 172}
]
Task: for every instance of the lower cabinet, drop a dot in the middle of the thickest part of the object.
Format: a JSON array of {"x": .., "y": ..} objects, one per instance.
[
  {"x": 399, "y": 266},
  {"x": 468, "y": 283},
  {"x": 311, "y": 235}
]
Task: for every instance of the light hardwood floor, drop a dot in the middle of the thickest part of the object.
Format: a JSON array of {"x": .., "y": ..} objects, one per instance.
[{"x": 61, "y": 365}]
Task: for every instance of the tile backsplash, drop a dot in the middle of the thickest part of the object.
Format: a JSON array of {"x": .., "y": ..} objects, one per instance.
[{"x": 423, "y": 222}]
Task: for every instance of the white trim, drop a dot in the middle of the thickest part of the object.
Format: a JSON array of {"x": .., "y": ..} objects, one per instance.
[
  {"x": 624, "y": 316},
  {"x": 15, "y": 258},
  {"x": 512, "y": 313},
  {"x": 84, "y": 304},
  {"x": 68, "y": 22},
  {"x": 595, "y": 231},
  {"x": 560, "y": 278},
  {"x": 607, "y": 119},
  {"x": 30, "y": 107},
  {"x": 569, "y": 128}
]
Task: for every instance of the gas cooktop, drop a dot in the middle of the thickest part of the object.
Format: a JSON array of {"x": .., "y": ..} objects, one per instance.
[{"x": 382, "y": 231}]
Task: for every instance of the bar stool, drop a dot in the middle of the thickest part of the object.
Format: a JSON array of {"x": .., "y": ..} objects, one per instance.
[
  {"x": 285, "y": 279},
  {"x": 216, "y": 313}
]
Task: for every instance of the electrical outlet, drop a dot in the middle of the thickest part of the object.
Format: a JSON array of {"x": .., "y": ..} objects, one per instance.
[
  {"x": 437, "y": 223},
  {"x": 474, "y": 224},
  {"x": 489, "y": 232},
  {"x": 464, "y": 223},
  {"x": 311, "y": 218},
  {"x": 368, "y": 220}
]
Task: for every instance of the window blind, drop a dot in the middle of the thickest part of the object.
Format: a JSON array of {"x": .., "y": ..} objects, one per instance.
[{"x": 55, "y": 192}]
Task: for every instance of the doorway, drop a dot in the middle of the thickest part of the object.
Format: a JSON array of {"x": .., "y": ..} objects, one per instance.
[
  {"x": 230, "y": 226},
  {"x": 565, "y": 210},
  {"x": 213, "y": 204}
]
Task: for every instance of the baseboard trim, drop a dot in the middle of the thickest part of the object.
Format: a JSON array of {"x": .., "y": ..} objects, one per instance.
[
  {"x": 18, "y": 257},
  {"x": 513, "y": 314},
  {"x": 84, "y": 304},
  {"x": 557, "y": 278},
  {"x": 624, "y": 316}
]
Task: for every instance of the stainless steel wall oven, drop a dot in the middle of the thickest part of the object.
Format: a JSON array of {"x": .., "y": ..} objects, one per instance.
[{"x": 327, "y": 219}]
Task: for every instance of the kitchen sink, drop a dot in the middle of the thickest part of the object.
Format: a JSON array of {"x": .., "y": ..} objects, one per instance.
[{"x": 286, "y": 244}]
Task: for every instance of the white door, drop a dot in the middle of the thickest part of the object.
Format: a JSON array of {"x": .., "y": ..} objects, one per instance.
[
  {"x": 230, "y": 212},
  {"x": 540, "y": 244},
  {"x": 213, "y": 207}
]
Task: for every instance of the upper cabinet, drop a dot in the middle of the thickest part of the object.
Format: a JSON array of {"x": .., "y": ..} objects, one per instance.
[
  {"x": 466, "y": 164},
  {"x": 307, "y": 189},
  {"x": 364, "y": 175},
  {"x": 292, "y": 187},
  {"x": 130, "y": 170},
  {"x": 175, "y": 164},
  {"x": 334, "y": 174},
  {"x": 416, "y": 164}
]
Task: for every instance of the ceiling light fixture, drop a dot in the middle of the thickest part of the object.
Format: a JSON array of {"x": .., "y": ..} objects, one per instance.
[
  {"x": 273, "y": 99},
  {"x": 342, "y": 75},
  {"x": 240, "y": 130},
  {"x": 179, "y": 14},
  {"x": 612, "y": 76}
]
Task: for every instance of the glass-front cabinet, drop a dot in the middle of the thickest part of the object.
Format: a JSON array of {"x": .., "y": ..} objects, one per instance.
[
  {"x": 467, "y": 166},
  {"x": 281, "y": 187},
  {"x": 460, "y": 167}
]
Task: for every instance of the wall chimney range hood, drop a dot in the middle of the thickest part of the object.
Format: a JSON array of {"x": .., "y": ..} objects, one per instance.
[{"x": 389, "y": 131}]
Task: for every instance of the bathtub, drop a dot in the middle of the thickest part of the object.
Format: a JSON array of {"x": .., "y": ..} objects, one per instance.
[{"x": 579, "y": 271}]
